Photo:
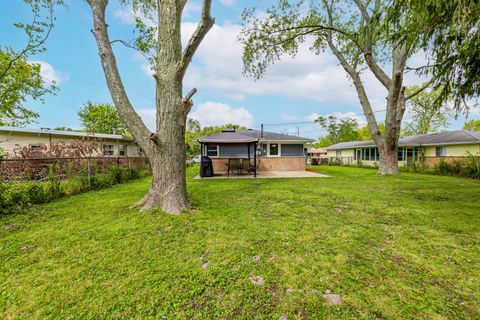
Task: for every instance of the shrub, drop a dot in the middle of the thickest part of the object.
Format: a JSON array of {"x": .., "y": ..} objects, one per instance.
[
  {"x": 16, "y": 195},
  {"x": 72, "y": 186}
]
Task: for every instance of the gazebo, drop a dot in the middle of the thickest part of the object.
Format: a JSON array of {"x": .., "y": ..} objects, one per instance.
[{"x": 228, "y": 145}]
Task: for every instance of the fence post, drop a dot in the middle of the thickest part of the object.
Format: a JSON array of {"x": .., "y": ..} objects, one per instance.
[{"x": 89, "y": 175}]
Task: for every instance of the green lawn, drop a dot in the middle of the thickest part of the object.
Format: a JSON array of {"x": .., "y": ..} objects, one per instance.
[{"x": 392, "y": 247}]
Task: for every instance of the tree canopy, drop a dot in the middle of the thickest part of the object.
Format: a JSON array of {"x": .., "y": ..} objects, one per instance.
[
  {"x": 427, "y": 116},
  {"x": 339, "y": 129},
  {"x": 472, "y": 125},
  {"x": 22, "y": 81},
  {"x": 449, "y": 32},
  {"x": 101, "y": 118}
]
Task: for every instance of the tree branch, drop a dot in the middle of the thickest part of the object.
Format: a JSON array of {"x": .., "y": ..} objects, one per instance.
[
  {"x": 420, "y": 90},
  {"x": 29, "y": 46},
  {"x": 205, "y": 24},
  {"x": 114, "y": 81}
]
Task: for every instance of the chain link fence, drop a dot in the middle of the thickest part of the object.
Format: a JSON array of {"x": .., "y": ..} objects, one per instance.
[{"x": 25, "y": 181}]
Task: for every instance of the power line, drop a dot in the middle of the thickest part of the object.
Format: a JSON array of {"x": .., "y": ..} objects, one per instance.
[{"x": 312, "y": 121}]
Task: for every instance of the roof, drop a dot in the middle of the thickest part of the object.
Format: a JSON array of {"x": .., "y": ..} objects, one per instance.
[
  {"x": 317, "y": 150},
  {"x": 431, "y": 139},
  {"x": 227, "y": 137},
  {"x": 249, "y": 135},
  {"x": 66, "y": 133},
  {"x": 273, "y": 136}
]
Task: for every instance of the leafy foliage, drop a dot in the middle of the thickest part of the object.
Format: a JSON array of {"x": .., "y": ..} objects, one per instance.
[
  {"x": 427, "y": 116},
  {"x": 363, "y": 133},
  {"x": 37, "y": 33},
  {"x": 101, "y": 118},
  {"x": 194, "y": 131},
  {"x": 340, "y": 129},
  {"x": 22, "y": 81},
  {"x": 449, "y": 31},
  {"x": 472, "y": 125}
]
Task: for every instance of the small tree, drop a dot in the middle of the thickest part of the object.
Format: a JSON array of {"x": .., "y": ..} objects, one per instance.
[
  {"x": 165, "y": 147},
  {"x": 22, "y": 81},
  {"x": 101, "y": 118},
  {"x": 426, "y": 114},
  {"x": 339, "y": 129},
  {"x": 358, "y": 35}
]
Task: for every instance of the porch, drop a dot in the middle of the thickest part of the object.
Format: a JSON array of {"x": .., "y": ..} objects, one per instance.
[{"x": 266, "y": 175}]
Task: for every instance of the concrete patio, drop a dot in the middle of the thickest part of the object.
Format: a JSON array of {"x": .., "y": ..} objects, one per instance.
[{"x": 268, "y": 174}]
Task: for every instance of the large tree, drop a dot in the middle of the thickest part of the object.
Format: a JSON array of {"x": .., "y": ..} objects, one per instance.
[
  {"x": 426, "y": 115},
  {"x": 101, "y": 118},
  {"x": 358, "y": 35},
  {"x": 165, "y": 147}
]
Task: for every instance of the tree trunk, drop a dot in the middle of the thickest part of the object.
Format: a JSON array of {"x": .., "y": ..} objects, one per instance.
[
  {"x": 168, "y": 190},
  {"x": 165, "y": 147},
  {"x": 388, "y": 160}
]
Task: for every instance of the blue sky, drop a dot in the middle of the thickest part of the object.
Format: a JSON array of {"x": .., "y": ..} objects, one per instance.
[{"x": 294, "y": 90}]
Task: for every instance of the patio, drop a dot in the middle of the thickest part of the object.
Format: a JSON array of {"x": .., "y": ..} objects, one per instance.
[{"x": 268, "y": 175}]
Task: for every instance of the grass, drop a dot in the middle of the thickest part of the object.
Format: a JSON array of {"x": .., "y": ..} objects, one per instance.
[{"x": 405, "y": 246}]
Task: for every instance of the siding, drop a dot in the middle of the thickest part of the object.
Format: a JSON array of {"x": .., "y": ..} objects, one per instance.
[
  {"x": 292, "y": 150},
  {"x": 461, "y": 150},
  {"x": 10, "y": 141},
  {"x": 345, "y": 153}
]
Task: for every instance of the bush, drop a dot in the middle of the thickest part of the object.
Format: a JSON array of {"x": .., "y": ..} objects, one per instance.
[
  {"x": 17, "y": 195},
  {"x": 469, "y": 167}
]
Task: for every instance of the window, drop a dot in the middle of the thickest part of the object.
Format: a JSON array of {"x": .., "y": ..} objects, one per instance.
[
  {"x": 274, "y": 149},
  {"x": 338, "y": 153},
  {"x": 441, "y": 151},
  {"x": 212, "y": 151},
  {"x": 35, "y": 147},
  {"x": 140, "y": 152},
  {"x": 108, "y": 150},
  {"x": 122, "y": 150},
  {"x": 400, "y": 154}
]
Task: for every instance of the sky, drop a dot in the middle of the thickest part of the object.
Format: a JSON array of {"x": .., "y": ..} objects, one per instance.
[{"x": 292, "y": 94}]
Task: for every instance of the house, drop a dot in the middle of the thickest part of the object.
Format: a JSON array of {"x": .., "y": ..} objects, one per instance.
[
  {"x": 317, "y": 155},
  {"x": 268, "y": 151},
  {"x": 13, "y": 138},
  {"x": 427, "y": 149}
]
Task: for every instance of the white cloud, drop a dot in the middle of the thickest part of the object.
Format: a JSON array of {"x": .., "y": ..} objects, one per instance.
[
  {"x": 148, "y": 116},
  {"x": 360, "y": 119},
  {"x": 191, "y": 8},
  {"x": 215, "y": 113},
  {"x": 49, "y": 74},
  {"x": 227, "y": 3},
  {"x": 126, "y": 16}
]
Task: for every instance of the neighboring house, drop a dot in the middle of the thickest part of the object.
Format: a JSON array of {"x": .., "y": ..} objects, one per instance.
[
  {"x": 317, "y": 155},
  {"x": 12, "y": 138},
  {"x": 427, "y": 148},
  {"x": 272, "y": 151}
]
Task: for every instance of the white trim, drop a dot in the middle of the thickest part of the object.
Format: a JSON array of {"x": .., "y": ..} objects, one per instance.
[
  {"x": 218, "y": 151},
  {"x": 279, "y": 150}
]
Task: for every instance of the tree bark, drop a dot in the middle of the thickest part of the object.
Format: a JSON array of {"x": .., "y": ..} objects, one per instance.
[{"x": 165, "y": 147}]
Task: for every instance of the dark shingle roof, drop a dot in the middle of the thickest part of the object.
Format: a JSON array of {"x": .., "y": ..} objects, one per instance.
[
  {"x": 431, "y": 139},
  {"x": 249, "y": 135},
  {"x": 273, "y": 136},
  {"x": 227, "y": 137}
]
